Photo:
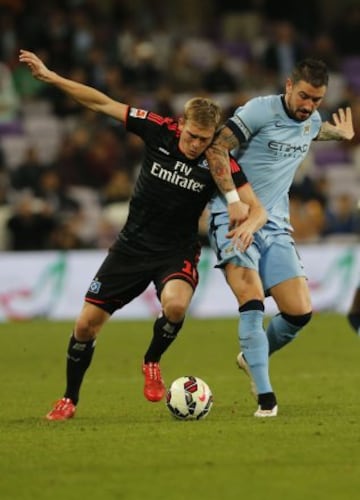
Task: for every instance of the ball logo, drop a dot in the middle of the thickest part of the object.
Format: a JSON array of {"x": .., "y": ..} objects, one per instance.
[
  {"x": 202, "y": 396},
  {"x": 191, "y": 384}
]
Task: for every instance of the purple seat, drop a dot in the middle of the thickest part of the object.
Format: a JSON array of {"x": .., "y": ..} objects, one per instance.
[
  {"x": 240, "y": 50},
  {"x": 331, "y": 155},
  {"x": 351, "y": 65},
  {"x": 351, "y": 72}
]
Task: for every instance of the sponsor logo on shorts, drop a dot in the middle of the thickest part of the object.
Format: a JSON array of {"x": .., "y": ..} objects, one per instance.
[{"x": 95, "y": 286}]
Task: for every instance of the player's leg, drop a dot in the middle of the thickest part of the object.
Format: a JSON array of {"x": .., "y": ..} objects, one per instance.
[
  {"x": 241, "y": 271},
  {"x": 283, "y": 277},
  {"x": 254, "y": 358},
  {"x": 175, "y": 299},
  {"x": 293, "y": 300},
  {"x": 118, "y": 281},
  {"x": 79, "y": 355},
  {"x": 353, "y": 315},
  {"x": 175, "y": 282},
  {"x": 81, "y": 347}
]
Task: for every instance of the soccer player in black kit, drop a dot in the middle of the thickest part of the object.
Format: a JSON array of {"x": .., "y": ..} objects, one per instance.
[{"x": 159, "y": 242}]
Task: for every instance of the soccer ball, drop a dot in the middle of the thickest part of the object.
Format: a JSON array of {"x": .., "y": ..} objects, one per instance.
[{"x": 189, "y": 398}]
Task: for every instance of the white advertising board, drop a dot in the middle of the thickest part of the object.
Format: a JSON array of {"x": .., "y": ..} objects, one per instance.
[{"x": 52, "y": 284}]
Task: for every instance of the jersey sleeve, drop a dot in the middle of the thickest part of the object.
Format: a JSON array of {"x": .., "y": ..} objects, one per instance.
[
  {"x": 147, "y": 124},
  {"x": 248, "y": 119},
  {"x": 237, "y": 173}
]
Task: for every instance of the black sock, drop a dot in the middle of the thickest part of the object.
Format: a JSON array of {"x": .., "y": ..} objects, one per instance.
[
  {"x": 79, "y": 356},
  {"x": 354, "y": 320},
  {"x": 267, "y": 400},
  {"x": 164, "y": 334}
]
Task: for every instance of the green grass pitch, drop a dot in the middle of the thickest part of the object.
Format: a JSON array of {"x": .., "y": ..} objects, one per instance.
[{"x": 121, "y": 447}]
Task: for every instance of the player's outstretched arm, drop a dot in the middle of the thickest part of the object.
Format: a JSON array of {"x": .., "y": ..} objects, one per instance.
[
  {"x": 85, "y": 95},
  {"x": 341, "y": 129},
  {"x": 217, "y": 155}
]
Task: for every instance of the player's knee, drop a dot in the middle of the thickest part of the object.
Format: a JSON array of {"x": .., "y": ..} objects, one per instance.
[
  {"x": 175, "y": 310},
  {"x": 299, "y": 320},
  {"x": 84, "y": 329}
]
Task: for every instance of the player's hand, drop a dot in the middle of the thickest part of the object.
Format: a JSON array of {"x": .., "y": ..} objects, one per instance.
[
  {"x": 35, "y": 64},
  {"x": 242, "y": 237},
  {"x": 238, "y": 212},
  {"x": 343, "y": 125}
]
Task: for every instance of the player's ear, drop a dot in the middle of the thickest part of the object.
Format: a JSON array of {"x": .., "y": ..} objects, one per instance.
[
  {"x": 181, "y": 122},
  {"x": 288, "y": 85}
]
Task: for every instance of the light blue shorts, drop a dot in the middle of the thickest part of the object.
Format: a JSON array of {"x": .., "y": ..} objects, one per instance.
[{"x": 273, "y": 253}]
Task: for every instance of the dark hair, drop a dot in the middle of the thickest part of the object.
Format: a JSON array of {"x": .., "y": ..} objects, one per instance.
[{"x": 313, "y": 71}]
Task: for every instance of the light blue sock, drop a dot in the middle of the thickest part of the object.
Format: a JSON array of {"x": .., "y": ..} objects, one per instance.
[
  {"x": 280, "y": 332},
  {"x": 255, "y": 347}
]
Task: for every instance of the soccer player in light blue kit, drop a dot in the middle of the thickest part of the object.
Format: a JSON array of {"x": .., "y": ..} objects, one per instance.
[{"x": 270, "y": 137}]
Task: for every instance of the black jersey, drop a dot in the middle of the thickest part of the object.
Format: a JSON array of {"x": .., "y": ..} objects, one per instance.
[{"x": 171, "y": 191}]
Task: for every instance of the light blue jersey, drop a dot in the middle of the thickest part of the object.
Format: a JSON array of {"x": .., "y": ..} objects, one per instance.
[{"x": 273, "y": 147}]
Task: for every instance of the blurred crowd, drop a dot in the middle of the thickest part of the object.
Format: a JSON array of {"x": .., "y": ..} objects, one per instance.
[{"x": 66, "y": 174}]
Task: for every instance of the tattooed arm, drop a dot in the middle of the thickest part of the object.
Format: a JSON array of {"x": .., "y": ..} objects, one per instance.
[
  {"x": 218, "y": 157},
  {"x": 341, "y": 130}
]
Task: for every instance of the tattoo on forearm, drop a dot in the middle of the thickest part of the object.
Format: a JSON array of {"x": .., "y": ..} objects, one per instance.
[
  {"x": 227, "y": 139},
  {"x": 218, "y": 158},
  {"x": 222, "y": 175}
]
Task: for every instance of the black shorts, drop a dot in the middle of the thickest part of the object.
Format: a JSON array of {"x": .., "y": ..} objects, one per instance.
[{"x": 121, "y": 278}]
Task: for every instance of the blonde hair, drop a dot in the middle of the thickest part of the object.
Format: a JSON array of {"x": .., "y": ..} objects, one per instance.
[{"x": 203, "y": 111}]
